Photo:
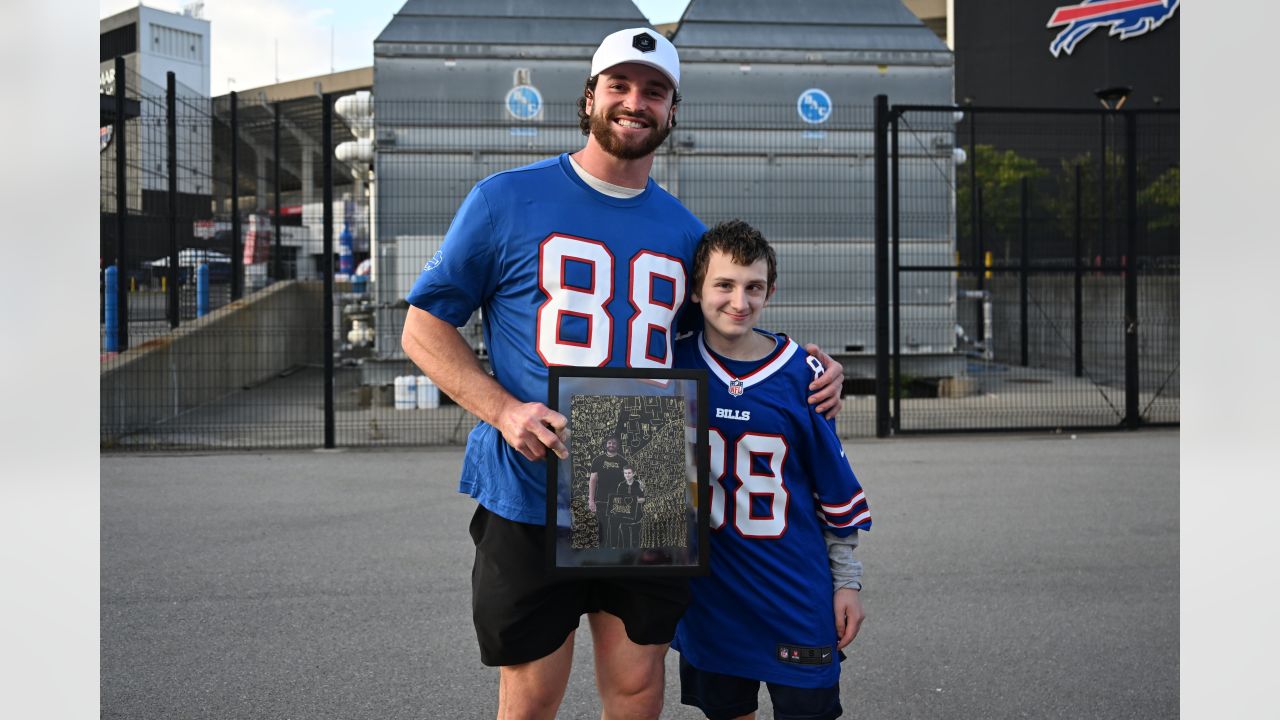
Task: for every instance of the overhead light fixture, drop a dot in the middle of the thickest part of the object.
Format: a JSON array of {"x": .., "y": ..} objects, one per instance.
[{"x": 1112, "y": 98}]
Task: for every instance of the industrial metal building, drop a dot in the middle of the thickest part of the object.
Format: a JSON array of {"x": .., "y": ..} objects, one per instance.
[
  {"x": 775, "y": 127},
  {"x": 153, "y": 44}
]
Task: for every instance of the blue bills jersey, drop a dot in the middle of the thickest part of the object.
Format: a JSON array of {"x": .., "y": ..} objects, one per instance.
[
  {"x": 779, "y": 479},
  {"x": 565, "y": 275}
]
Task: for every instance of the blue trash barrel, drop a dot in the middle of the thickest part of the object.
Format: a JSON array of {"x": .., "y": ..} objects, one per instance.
[
  {"x": 346, "y": 253},
  {"x": 202, "y": 290},
  {"x": 111, "y": 315}
]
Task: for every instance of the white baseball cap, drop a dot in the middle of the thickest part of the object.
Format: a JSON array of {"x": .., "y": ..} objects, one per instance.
[{"x": 638, "y": 45}]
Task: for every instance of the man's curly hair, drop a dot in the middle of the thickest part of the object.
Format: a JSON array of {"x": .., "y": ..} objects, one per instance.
[{"x": 584, "y": 120}]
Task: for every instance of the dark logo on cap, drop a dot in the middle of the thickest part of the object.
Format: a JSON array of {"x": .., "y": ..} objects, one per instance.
[{"x": 644, "y": 42}]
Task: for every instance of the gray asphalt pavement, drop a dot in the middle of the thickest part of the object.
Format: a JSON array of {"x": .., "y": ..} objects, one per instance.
[{"x": 1006, "y": 577}]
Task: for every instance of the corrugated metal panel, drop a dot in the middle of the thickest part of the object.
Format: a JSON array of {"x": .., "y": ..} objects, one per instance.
[
  {"x": 805, "y": 25},
  {"x": 859, "y": 12},
  {"x": 808, "y": 37},
  {"x": 523, "y": 8},
  {"x": 504, "y": 22},
  {"x": 175, "y": 43},
  {"x": 709, "y": 87},
  {"x": 574, "y": 32}
]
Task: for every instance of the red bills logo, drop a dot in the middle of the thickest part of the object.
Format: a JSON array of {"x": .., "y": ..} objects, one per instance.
[{"x": 1125, "y": 18}]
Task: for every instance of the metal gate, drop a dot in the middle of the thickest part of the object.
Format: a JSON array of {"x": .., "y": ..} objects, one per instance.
[{"x": 1063, "y": 278}]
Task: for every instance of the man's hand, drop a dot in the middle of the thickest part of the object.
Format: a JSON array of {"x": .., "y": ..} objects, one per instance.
[
  {"x": 532, "y": 427},
  {"x": 827, "y": 387},
  {"x": 849, "y": 615}
]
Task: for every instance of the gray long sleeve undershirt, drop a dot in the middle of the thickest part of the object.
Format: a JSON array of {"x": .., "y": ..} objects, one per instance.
[{"x": 846, "y": 570}]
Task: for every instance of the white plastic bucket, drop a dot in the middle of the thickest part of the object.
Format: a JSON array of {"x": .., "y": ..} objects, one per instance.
[
  {"x": 428, "y": 393},
  {"x": 405, "y": 392}
]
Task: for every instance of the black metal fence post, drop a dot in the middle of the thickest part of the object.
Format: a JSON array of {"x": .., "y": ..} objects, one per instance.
[
  {"x": 326, "y": 147},
  {"x": 275, "y": 185},
  {"x": 883, "y": 427},
  {"x": 975, "y": 214},
  {"x": 1103, "y": 250},
  {"x": 1131, "y": 412},
  {"x": 237, "y": 254},
  {"x": 981, "y": 263},
  {"x": 1077, "y": 321},
  {"x": 895, "y": 189},
  {"x": 1024, "y": 294},
  {"x": 973, "y": 187},
  {"x": 122, "y": 207},
  {"x": 171, "y": 124}
]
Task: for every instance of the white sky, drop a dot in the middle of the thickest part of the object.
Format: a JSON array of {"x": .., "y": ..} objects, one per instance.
[{"x": 310, "y": 35}]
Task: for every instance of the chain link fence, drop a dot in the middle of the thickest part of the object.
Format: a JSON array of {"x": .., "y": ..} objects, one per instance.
[{"x": 257, "y": 297}]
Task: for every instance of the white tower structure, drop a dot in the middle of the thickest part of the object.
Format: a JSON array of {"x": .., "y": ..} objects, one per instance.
[{"x": 153, "y": 43}]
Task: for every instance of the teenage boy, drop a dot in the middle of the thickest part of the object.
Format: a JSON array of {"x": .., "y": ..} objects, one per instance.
[{"x": 782, "y": 597}]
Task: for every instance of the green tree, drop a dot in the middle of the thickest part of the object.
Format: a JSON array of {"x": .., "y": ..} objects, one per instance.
[
  {"x": 1157, "y": 200},
  {"x": 1062, "y": 204},
  {"x": 999, "y": 175},
  {"x": 1160, "y": 200}
]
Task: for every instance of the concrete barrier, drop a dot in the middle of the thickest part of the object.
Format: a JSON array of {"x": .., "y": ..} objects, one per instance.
[{"x": 234, "y": 347}]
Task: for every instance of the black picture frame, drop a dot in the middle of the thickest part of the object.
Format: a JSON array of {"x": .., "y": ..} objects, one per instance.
[{"x": 653, "y": 522}]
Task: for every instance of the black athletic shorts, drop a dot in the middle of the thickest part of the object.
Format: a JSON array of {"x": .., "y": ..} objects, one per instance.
[
  {"x": 724, "y": 697},
  {"x": 521, "y": 614}
]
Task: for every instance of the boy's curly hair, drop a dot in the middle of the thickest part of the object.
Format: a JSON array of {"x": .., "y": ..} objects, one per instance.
[{"x": 738, "y": 240}]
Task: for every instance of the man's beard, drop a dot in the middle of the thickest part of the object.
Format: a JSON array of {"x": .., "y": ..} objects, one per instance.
[{"x": 602, "y": 131}]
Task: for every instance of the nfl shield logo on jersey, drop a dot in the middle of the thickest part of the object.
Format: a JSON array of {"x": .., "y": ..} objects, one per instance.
[{"x": 735, "y": 387}]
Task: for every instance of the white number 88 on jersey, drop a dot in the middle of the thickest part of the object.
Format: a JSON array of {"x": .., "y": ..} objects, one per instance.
[{"x": 575, "y": 327}]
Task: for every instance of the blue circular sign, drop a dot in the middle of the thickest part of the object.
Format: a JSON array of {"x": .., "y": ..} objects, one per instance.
[
  {"x": 814, "y": 106},
  {"x": 524, "y": 102}
]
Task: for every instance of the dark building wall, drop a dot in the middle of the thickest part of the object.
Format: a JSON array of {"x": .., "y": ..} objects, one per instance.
[
  {"x": 1003, "y": 59},
  {"x": 121, "y": 41}
]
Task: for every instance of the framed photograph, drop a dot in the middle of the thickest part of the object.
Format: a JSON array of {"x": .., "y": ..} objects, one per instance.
[{"x": 632, "y": 497}]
